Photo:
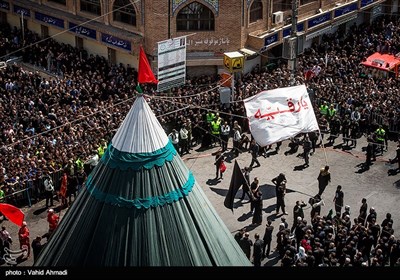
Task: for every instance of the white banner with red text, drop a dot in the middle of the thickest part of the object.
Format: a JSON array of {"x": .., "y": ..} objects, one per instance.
[{"x": 278, "y": 114}]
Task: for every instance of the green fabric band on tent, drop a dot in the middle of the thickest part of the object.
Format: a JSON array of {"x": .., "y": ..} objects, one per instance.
[
  {"x": 153, "y": 201},
  {"x": 114, "y": 158}
]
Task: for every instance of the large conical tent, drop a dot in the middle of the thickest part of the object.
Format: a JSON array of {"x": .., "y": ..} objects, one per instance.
[{"x": 141, "y": 207}]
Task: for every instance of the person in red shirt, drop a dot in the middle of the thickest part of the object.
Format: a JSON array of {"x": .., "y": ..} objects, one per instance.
[
  {"x": 53, "y": 219},
  {"x": 23, "y": 235}
]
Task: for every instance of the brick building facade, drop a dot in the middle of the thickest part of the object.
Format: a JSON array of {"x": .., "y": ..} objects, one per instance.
[{"x": 116, "y": 28}]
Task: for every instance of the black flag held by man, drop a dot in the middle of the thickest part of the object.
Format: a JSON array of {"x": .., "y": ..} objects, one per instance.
[{"x": 237, "y": 181}]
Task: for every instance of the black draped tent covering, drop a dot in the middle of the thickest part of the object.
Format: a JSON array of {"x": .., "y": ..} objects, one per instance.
[{"x": 141, "y": 206}]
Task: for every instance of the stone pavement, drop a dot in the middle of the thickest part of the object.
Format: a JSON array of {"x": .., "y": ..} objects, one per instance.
[{"x": 382, "y": 191}]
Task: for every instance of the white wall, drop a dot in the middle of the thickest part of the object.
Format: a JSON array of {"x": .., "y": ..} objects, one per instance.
[
  {"x": 14, "y": 20},
  {"x": 93, "y": 47},
  {"x": 250, "y": 64},
  {"x": 307, "y": 44},
  {"x": 127, "y": 58},
  {"x": 64, "y": 37},
  {"x": 35, "y": 27}
]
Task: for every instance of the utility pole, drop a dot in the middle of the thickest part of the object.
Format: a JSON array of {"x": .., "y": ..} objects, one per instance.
[
  {"x": 169, "y": 19},
  {"x": 292, "y": 63},
  {"x": 23, "y": 27}
]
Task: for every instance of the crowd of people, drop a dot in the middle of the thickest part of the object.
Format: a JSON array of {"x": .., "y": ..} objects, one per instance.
[
  {"x": 345, "y": 239},
  {"x": 61, "y": 122},
  {"x": 55, "y": 122}
]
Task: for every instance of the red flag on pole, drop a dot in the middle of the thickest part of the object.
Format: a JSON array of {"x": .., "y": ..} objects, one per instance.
[
  {"x": 145, "y": 74},
  {"x": 12, "y": 213}
]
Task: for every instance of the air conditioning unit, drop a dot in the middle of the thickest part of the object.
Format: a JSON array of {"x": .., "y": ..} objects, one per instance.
[{"x": 277, "y": 17}]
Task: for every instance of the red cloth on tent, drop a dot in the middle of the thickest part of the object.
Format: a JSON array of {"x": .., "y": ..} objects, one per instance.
[
  {"x": 145, "y": 74},
  {"x": 12, "y": 213}
]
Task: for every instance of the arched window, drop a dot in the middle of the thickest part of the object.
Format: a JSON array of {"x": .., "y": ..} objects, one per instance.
[
  {"x": 195, "y": 16},
  {"x": 124, "y": 12},
  {"x": 91, "y": 6},
  {"x": 256, "y": 10}
]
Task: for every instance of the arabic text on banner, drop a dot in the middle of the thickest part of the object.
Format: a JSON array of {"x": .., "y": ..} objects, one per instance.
[{"x": 278, "y": 114}]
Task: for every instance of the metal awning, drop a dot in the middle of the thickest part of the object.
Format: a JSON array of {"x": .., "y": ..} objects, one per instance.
[
  {"x": 344, "y": 20},
  {"x": 318, "y": 33},
  {"x": 247, "y": 52}
]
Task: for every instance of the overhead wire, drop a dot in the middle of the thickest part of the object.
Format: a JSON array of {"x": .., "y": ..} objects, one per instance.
[
  {"x": 94, "y": 113},
  {"x": 67, "y": 123},
  {"x": 160, "y": 97},
  {"x": 245, "y": 117},
  {"x": 66, "y": 30}
]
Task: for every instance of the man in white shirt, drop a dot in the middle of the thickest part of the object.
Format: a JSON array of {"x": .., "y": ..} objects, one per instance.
[
  {"x": 93, "y": 161},
  {"x": 225, "y": 130},
  {"x": 48, "y": 188},
  {"x": 184, "y": 142}
]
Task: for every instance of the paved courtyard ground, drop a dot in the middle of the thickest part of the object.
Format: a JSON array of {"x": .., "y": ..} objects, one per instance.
[{"x": 382, "y": 191}]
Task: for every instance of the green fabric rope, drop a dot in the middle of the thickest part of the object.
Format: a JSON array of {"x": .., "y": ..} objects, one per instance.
[
  {"x": 114, "y": 158},
  {"x": 147, "y": 202}
]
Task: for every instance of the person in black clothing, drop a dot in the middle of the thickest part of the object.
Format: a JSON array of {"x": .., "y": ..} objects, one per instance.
[
  {"x": 255, "y": 148},
  {"x": 372, "y": 215},
  {"x": 246, "y": 244},
  {"x": 254, "y": 187},
  {"x": 387, "y": 220},
  {"x": 324, "y": 178},
  {"x": 246, "y": 185},
  {"x": 257, "y": 250},
  {"x": 363, "y": 211},
  {"x": 72, "y": 187},
  {"x": 278, "y": 180},
  {"x": 268, "y": 238},
  {"x": 368, "y": 156},
  {"x": 315, "y": 205},
  {"x": 394, "y": 253},
  {"x": 298, "y": 212},
  {"x": 280, "y": 198},
  {"x": 258, "y": 205},
  {"x": 346, "y": 211},
  {"x": 335, "y": 130},
  {"x": 313, "y": 136},
  {"x": 37, "y": 247},
  {"x": 338, "y": 199},
  {"x": 306, "y": 150},
  {"x": 244, "y": 142},
  {"x": 81, "y": 177},
  {"x": 354, "y": 132},
  {"x": 219, "y": 158},
  {"x": 346, "y": 124},
  {"x": 239, "y": 235}
]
